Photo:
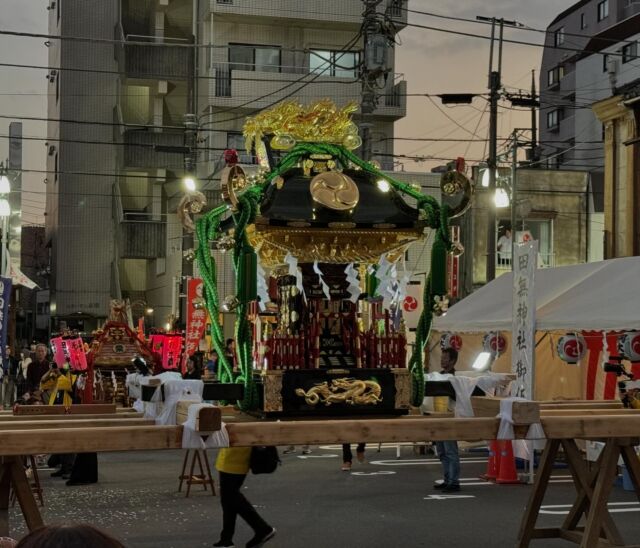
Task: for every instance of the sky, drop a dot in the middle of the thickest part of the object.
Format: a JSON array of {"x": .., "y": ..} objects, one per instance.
[{"x": 431, "y": 62}]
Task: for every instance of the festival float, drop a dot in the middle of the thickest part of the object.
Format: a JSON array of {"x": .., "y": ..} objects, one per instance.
[{"x": 316, "y": 234}]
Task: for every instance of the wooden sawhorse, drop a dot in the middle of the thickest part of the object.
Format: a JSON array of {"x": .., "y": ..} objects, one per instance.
[
  {"x": 203, "y": 478},
  {"x": 593, "y": 488},
  {"x": 13, "y": 476}
]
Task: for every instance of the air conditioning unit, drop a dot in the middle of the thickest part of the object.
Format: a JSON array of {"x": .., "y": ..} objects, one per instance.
[
  {"x": 52, "y": 150},
  {"x": 612, "y": 66}
]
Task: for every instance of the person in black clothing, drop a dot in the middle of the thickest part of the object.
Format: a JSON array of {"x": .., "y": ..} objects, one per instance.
[
  {"x": 11, "y": 366},
  {"x": 347, "y": 455},
  {"x": 192, "y": 371},
  {"x": 37, "y": 368}
]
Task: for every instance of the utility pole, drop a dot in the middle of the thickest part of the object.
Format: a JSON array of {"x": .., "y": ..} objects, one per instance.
[
  {"x": 374, "y": 69},
  {"x": 514, "y": 194},
  {"x": 534, "y": 119},
  {"x": 495, "y": 83}
]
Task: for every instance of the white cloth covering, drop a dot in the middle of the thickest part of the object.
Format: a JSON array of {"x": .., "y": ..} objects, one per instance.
[
  {"x": 201, "y": 440},
  {"x": 164, "y": 412},
  {"x": 506, "y": 432}
]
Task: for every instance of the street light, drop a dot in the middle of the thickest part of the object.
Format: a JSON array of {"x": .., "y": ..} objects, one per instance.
[{"x": 189, "y": 184}]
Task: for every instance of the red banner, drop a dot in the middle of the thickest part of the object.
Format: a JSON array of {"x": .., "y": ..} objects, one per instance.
[
  {"x": 74, "y": 350},
  {"x": 196, "y": 315},
  {"x": 58, "y": 351},
  {"x": 171, "y": 351}
]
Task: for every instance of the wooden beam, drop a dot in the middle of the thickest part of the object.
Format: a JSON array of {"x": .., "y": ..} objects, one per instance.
[
  {"x": 88, "y": 440},
  {"x": 373, "y": 430},
  {"x": 76, "y": 409},
  {"x": 4, "y": 419},
  {"x": 522, "y": 412},
  {"x": 209, "y": 418},
  {"x": 589, "y": 427},
  {"x": 73, "y": 423},
  {"x": 571, "y": 404},
  {"x": 587, "y": 412}
]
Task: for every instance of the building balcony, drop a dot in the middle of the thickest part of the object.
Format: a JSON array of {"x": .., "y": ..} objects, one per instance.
[
  {"x": 153, "y": 57},
  {"x": 235, "y": 89},
  {"x": 144, "y": 149},
  {"x": 327, "y": 13},
  {"x": 141, "y": 239}
]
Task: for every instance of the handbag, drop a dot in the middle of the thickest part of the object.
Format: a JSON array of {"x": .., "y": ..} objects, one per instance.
[{"x": 264, "y": 459}]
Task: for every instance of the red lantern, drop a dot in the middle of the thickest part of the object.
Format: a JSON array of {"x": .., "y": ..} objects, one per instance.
[
  {"x": 571, "y": 348},
  {"x": 495, "y": 343},
  {"x": 451, "y": 340},
  {"x": 629, "y": 346}
]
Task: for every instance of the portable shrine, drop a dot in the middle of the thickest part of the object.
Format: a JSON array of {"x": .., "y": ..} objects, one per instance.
[{"x": 315, "y": 236}]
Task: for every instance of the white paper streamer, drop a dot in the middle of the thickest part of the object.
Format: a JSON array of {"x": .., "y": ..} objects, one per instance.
[
  {"x": 353, "y": 282},
  {"x": 263, "y": 290},
  {"x": 295, "y": 271},
  {"x": 323, "y": 284}
]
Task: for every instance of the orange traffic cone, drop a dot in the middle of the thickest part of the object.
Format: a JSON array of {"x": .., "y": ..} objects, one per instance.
[
  {"x": 493, "y": 463},
  {"x": 507, "y": 470}
]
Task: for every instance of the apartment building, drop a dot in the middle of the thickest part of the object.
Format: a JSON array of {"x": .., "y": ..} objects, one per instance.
[
  {"x": 588, "y": 52},
  {"x": 116, "y": 150}
]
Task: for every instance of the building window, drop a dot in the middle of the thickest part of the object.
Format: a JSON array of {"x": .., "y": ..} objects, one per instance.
[
  {"x": 254, "y": 58},
  {"x": 341, "y": 64},
  {"x": 553, "y": 118},
  {"x": 629, "y": 52},
  {"x": 583, "y": 21},
  {"x": 57, "y": 87},
  {"x": 605, "y": 63},
  {"x": 236, "y": 141},
  {"x": 555, "y": 75},
  {"x": 558, "y": 37},
  {"x": 58, "y": 11},
  {"x": 55, "y": 169},
  {"x": 603, "y": 10},
  {"x": 527, "y": 230}
]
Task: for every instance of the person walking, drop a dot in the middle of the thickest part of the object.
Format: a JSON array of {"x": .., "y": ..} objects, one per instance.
[
  {"x": 347, "y": 455},
  {"x": 233, "y": 466},
  {"x": 11, "y": 367},
  {"x": 448, "y": 450},
  {"x": 21, "y": 379}
]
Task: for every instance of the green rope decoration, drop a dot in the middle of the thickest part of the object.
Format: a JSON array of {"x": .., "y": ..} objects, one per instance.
[{"x": 435, "y": 217}]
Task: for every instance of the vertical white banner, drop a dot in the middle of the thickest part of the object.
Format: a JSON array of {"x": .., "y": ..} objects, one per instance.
[{"x": 524, "y": 319}]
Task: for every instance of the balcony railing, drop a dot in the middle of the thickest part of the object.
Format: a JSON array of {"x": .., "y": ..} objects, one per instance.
[
  {"x": 140, "y": 149},
  {"x": 155, "y": 57},
  {"x": 142, "y": 239}
]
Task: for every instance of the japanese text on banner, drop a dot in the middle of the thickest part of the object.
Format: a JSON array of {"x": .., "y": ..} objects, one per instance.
[{"x": 524, "y": 319}]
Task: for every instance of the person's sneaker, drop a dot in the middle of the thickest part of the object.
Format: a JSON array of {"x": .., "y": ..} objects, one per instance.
[
  {"x": 260, "y": 540},
  {"x": 451, "y": 489},
  {"x": 440, "y": 485},
  {"x": 288, "y": 450},
  {"x": 360, "y": 457},
  {"x": 222, "y": 544},
  {"x": 346, "y": 467}
]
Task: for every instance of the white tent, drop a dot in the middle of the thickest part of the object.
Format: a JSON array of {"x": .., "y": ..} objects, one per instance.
[{"x": 592, "y": 296}]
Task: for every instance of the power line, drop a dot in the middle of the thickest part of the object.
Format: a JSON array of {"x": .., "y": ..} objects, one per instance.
[{"x": 521, "y": 28}]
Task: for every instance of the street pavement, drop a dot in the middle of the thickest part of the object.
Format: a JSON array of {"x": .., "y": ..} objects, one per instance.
[{"x": 313, "y": 504}]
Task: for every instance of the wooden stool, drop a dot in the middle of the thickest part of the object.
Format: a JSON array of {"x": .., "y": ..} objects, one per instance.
[
  {"x": 34, "y": 481},
  {"x": 204, "y": 476}
]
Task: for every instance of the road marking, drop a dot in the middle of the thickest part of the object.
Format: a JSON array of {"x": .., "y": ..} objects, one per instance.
[
  {"x": 428, "y": 462},
  {"x": 563, "y": 509},
  {"x": 380, "y": 473},
  {"x": 446, "y": 497},
  {"x": 316, "y": 456}
]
